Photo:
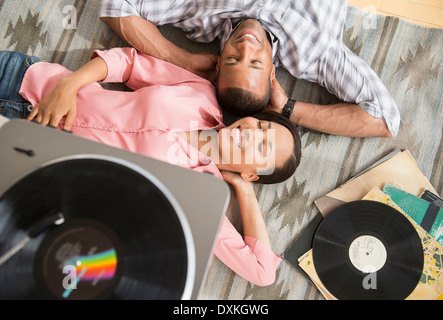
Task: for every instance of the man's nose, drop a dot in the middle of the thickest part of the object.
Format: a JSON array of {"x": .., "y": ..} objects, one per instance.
[{"x": 246, "y": 48}]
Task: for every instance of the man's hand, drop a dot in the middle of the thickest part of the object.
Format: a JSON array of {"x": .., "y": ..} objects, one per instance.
[
  {"x": 278, "y": 97},
  {"x": 203, "y": 65},
  {"x": 60, "y": 102}
]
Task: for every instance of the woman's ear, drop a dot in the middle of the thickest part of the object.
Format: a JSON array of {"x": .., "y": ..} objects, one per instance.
[{"x": 249, "y": 176}]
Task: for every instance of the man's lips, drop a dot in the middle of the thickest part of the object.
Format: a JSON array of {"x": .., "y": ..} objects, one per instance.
[{"x": 248, "y": 35}]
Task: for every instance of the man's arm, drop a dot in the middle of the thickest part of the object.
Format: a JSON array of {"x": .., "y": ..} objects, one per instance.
[
  {"x": 146, "y": 37},
  {"x": 344, "y": 119}
]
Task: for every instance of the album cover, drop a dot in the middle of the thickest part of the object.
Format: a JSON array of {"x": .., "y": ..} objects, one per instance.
[
  {"x": 400, "y": 169},
  {"x": 426, "y": 214},
  {"x": 432, "y": 198}
]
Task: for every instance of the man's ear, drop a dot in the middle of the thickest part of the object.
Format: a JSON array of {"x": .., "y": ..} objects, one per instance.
[
  {"x": 215, "y": 76},
  {"x": 217, "y": 67},
  {"x": 273, "y": 72},
  {"x": 249, "y": 176}
]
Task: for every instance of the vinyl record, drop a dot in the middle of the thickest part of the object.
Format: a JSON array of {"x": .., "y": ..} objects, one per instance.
[
  {"x": 123, "y": 235},
  {"x": 367, "y": 250}
]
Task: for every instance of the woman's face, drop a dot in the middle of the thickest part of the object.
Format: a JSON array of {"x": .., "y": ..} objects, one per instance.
[{"x": 254, "y": 146}]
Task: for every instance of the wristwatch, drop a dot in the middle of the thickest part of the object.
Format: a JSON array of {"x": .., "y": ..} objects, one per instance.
[{"x": 288, "y": 108}]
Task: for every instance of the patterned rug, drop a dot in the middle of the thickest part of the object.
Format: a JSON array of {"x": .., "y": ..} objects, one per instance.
[{"x": 408, "y": 58}]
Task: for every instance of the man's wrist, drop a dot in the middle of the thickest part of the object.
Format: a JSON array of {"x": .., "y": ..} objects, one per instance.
[{"x": 288, "y": 108}]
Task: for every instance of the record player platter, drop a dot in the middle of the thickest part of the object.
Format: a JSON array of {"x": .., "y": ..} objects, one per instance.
[{"x": 123, "y": 235}]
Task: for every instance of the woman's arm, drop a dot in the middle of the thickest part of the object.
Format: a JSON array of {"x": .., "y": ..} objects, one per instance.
[
  {"x": 250, "y": 255},
  {"x": 61, "y": 101},
  {"x": 253, "y": 223}
]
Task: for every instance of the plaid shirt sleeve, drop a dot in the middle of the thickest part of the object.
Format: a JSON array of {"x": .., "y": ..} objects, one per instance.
[
  {"x": 117, "y": 8},
  {"x": 350, "y": 79},
  {"x": 158, "y": 12}
]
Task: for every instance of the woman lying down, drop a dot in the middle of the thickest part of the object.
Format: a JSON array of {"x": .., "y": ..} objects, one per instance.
[{"x": 171, "y": 115}]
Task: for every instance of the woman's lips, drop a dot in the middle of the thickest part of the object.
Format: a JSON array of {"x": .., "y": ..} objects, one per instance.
[
  {"x": 236, "y": 136},
  {"x": 240, "y": 136}
]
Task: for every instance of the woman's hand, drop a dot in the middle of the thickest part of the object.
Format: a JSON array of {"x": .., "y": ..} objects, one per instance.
[
  {"x": 236, "y": 180},
  {"x": 60, "y": 102}
]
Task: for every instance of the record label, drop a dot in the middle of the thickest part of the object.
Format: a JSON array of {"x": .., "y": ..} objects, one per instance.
[
  {"x": 367, "y": 254},
  {"x": 79, "y": 261}
]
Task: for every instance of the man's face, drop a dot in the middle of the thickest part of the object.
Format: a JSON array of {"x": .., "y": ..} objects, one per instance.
[{"x": 246, "y": 59}]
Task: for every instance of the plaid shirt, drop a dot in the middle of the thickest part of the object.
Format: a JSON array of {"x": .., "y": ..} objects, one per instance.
[{"x": 306, "y": 35}]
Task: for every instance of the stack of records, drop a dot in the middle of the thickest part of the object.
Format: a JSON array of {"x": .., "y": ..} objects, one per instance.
[{"x": 380, "y": 242}]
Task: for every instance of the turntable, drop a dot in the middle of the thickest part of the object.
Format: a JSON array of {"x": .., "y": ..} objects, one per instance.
[{"x": 83, "y": 220}]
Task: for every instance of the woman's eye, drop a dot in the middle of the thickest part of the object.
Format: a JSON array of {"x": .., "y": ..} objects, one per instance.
[{"x": 265, "y": 150}]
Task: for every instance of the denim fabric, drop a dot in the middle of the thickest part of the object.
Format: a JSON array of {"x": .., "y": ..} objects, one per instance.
[{"x": 13, "y": 66}]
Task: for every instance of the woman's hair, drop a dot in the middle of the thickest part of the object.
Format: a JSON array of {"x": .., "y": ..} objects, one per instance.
[{"x": 287, "y": 170}]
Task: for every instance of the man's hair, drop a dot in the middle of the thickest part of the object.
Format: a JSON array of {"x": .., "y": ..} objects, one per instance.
[
  {"x": 287, "y": 170},
  {"x": 241, "y": 102}
]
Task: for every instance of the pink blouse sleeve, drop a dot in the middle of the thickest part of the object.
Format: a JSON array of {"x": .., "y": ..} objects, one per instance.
[
  {"x": 138, "y": 70},
  {"x": 248, "y": 257}
]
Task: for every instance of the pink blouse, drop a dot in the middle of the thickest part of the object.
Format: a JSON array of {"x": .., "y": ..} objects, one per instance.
[{"x": 165, "y": 99}]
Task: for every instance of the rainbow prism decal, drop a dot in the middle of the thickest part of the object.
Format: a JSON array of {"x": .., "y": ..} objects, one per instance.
[{"x": 93, "y": 268}]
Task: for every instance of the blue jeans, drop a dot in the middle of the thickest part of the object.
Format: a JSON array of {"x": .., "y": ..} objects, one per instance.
[{"x": 13, "y": 66}]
